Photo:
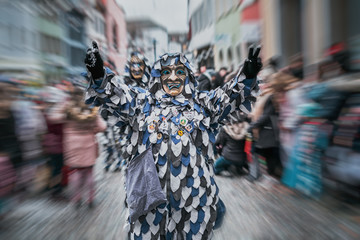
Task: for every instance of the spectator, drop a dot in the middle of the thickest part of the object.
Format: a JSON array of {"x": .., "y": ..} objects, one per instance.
[
  {"x": 265, "y": 128},
  {"x": 53, "y": 139},
  {"x": 219, "y": 78},
  {"x": 80, "y": 145},
  {"x": 205, "y": 80},
  {"x": 295, "y": 67},
  {"x": 10, "y": 151},
  {"x": 230, "y": 143}
]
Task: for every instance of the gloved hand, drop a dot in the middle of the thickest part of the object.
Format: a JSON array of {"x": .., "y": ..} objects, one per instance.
[
  {"x": 252, "y": 64},
  {"x": 94, "y": 62}
]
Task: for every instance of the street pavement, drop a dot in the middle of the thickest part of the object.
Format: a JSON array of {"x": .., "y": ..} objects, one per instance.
[{"x": 263, "y": 210}]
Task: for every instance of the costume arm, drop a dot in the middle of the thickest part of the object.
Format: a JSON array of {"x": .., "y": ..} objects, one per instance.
[
  {"x": 234, "y": 95},
  {"x": 118, "y": 101},
  {"x": 238, "y": 94}
]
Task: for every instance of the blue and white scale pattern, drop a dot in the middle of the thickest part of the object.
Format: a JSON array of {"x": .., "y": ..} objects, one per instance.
[
  {"x": 128, "y": 79},
  {"x": 181, "y": 131}
]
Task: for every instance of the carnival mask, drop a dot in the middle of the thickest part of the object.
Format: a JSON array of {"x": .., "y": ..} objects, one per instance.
[
  {"x": 137, "y": 67},
  {"x": 173, "y": 79}
]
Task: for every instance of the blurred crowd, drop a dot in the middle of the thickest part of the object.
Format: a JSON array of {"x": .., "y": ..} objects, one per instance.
[
  {"x": 46, "y": 140},
  {"x": 301, "y": 131}
]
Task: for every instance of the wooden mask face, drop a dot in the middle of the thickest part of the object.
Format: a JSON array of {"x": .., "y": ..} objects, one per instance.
[
  {"x": 137, "y": 67},
  {"x": 173, "y": 79}
]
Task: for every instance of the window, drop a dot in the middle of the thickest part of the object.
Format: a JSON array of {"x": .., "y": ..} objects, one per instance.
[
  {"x": 76, "y": 28},
  {"x": 100, "y": 25},
  {"x": 229, "y": 56},
  {"x": 238, "y": 52},
  {"x": 6, "y": 36},
  {"x": 115, "y": 36},
  {"x": 50, "y": 44},
  {"x": 77, "y": 56},
  {"x": 221, "y": 58}
]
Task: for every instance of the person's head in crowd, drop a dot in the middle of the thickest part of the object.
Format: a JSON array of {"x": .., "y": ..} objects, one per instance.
[
  {"x": 328, "y": 69},
  {"x": 281, "y": 82},
  {"x": 202, "y": 68},
  {"x": 296, "y": 66},
  {"x": 78, "y": 111},
  {"x": 338, "y": 53},
  {"x": 278, "y": 84},
  {"x": 223, "y": 72}
]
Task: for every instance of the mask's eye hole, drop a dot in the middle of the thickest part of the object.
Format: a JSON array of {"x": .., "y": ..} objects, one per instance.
[
  {"x": 180, "y": 72},
  {"x": 165, "y": 72}
]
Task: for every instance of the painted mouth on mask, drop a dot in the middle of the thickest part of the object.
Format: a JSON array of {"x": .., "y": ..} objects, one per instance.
[
  {"x": 173, "y": 85},
  {"x": 137, "y": 72}
]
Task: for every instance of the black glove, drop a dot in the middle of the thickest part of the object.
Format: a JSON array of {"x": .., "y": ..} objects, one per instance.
[
  {"x": 252, "y": 64},
  {"x": 94, "y": 62}
]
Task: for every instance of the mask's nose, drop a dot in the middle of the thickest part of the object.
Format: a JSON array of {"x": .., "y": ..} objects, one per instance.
[{"x": 172, "y": 76}]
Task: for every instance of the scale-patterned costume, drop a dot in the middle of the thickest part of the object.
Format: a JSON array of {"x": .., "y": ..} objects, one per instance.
[
  {"x": 131, "y": 81},
  {"x": 181, "y": 131}
]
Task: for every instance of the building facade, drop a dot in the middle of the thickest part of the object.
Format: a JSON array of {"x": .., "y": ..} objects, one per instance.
[
  {"x": 116, "y": 35},
  {"x": 222, "y": 30},
  {"x": 310, "y": 27},
  {"x": 20, "y": 42},
  {"x": 202, "y": 32}
]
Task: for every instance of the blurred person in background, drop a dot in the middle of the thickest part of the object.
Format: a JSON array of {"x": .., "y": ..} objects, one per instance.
[
  {"x": 230, "y": 143},
  {"x": 264, "y": 127},
  {"x": 80, "y": 145},
  {"x": 10, "y": 151},
  {"x": 296, "y": 66},
  {"x": 263, "y": 81},
  {"x": 219, "y": 78},
  {"x": 53, "y": 139},
  {"x": 30, "y": 129},
  {"x": 339, "y": 54},
  {"x": 203, "y": 68},
  {"x": 305, "y": 164},
  {"x": 109, "y": 145},
  {"x": 289, "y": 97},
  {"x": 205, "y": 80}
]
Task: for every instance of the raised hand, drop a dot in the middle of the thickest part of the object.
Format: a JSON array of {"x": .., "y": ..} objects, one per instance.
[
  {"x": 94, "y": 62},
  {"x": 252, "y": 64}
]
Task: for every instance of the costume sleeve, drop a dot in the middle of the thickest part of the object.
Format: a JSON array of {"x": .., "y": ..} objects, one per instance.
[
  {"x": 237, "y": 94},
  {"x": 120, "y": 102}
]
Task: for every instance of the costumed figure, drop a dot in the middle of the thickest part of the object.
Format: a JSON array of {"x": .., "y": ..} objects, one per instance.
[
  {"x": 137, "y": 71},
  {"x": 179, "y": 124},
  {"x": 137, "y": 74}
]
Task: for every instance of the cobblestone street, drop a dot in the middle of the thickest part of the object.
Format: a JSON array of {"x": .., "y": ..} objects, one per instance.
[{"x": 262, "y": 210}]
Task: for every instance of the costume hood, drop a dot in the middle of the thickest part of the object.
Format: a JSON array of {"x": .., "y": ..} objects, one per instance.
[
  {"x": 146, "y": 76},
  {"x": 155, "y": 86}
]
